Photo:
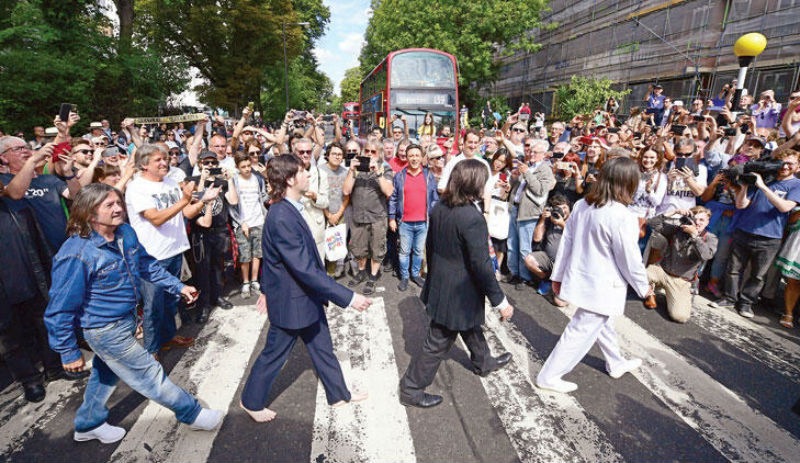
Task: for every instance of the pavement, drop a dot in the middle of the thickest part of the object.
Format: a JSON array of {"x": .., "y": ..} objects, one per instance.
[{"x": 718, "y": 388}]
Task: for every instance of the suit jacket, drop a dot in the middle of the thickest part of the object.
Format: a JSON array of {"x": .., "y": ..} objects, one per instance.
[
  {"x": 539, "y": 182},
  {"x": 598, "y": 258},
  {"x": 460, "y": 271},
  {"x": 293, "y": 278},
  {"x": 316, "y": 217}
]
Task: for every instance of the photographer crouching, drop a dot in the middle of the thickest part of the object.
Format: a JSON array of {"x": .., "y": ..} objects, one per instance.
[
  {"x": 546, "y": 239},
  {"x": 689, "y": 244}
]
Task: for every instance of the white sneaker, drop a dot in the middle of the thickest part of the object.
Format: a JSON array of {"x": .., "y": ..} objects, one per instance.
[
  {"x": 558, "y": 385},
  {"x": 207, "y": 420},
  {"x": 105, "y": 433},
  {"x": 625, "y": 367},
  {"x": 245, "y": 293},
  {"x": 255, "y": 287}
]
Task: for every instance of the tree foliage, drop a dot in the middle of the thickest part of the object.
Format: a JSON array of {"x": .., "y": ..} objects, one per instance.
[
  {"x": 583, "y": 94},
  {"x": 63, "y": 51},
  {"x": 351, "y": 84},
  {"x": 473, "y": 31}
]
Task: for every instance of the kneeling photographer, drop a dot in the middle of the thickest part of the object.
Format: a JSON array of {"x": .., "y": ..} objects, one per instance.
[
  {"x": 546, "y": 239},
  {"x": 766, "y": 191},
  {"x": 688, "y": 246},
  {"x": 209, "y": 234}
]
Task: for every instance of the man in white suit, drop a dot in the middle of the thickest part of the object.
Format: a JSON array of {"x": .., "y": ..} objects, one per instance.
[{"x": 598, "y": 256}]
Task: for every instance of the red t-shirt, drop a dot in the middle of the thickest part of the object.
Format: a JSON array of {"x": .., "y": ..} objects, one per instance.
[
  {"x": 415, "y": 204},
  {"x": 396, "y": 164}
]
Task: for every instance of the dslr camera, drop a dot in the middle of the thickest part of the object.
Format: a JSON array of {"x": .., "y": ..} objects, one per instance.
[
  {"x": 555, "y": 212},
  {"x": 742, "y": 174}
]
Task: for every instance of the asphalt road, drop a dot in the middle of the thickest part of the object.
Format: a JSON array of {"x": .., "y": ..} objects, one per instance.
[{"x": 718, "y": 388}]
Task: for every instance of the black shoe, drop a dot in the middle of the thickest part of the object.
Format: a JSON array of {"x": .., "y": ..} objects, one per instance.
[
  {"x": 358, "y": 279},
  {"x": 496, "y": 363},
  {"x": 54, "y": 375},
  {"x": 427, "y": 401},
  {"x": 418, "y": 280},
  {"x": 746, "y": 311},
  {"x": 202, "y": 315},
  {"x": 76, "y": 375},
  {"x": 34, "y": 392},
  {"x": 514, "y": 280},
  {"x": 224, "y": 304},
  {"x": 403, "y": 285},
  {"x": 369, "y": 288},
  {"x": 388, "y": 267}
]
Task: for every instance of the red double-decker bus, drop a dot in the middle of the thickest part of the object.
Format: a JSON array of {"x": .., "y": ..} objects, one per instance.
[{"x": 411, "y": 83}]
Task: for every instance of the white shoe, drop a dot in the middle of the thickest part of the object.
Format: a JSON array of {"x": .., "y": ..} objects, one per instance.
[
  {"x": 255, "y": 287},
  {"x": 207, "y": 420},
  {"x": 245, "y": 293},
  {"x": 558, "y": 385},
  {"x": 625, "y": 367},
  {"x": 105, "y": 433}
]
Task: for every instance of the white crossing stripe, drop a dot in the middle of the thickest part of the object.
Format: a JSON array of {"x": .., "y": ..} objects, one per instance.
[
  {"x": 212, "y": 370},
  {"x": 761, "y": 343},
  {"x": 376, "y": 429},
  {"x": 542, "y": 426},
  {"x": 719, "y": 415}
]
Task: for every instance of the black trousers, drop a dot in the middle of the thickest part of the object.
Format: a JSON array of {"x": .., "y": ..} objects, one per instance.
[
  {"x": 23, "y": 342},
  {"x": 208, "y": 247},
  {"x": 757, "y": 251},
  {"x": 422, "y": 369}
]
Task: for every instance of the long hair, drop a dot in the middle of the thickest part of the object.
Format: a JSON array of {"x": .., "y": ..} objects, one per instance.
[
  {"x": 85, "y": 206},
  {"x": 279, "y": 170},
  {"x": 466, "y": 183},
  {"x": 618, "y": 181}
]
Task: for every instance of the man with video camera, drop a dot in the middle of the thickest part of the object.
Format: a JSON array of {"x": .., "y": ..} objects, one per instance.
[
  {"x": 759, "y": 228},
  {"x": 688, "y": 246}
]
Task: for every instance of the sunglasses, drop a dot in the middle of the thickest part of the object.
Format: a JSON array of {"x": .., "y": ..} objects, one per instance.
[
  {"x": 84, "y": 151},
  {"x": 519, "y": 130},
  {"x": 174, "y": 153},
  {"x": 211, "y": 163},
  {"x": 371, "y": 151},
  {"x": 101, "y": 144},
  {"x": 683, "y": 155},
  {"x": 352, "y": 151},
  {"x": 254, "y": 153},
  {"x": 303, "y": 151}
]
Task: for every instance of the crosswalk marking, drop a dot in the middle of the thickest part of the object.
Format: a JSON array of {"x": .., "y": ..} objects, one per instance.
[
  {"x": 227, "y": 339},
  {"x": 723, "y": 418},
  {"x": 542, "y": 426},
  {"x": 761, "y": 343},
  {"x": 377, "y": 428}
]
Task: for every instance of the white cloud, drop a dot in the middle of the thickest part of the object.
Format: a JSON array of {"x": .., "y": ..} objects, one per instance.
[
  {"x": 338, "y": 50},
  {"x": 351, "y": 44}
]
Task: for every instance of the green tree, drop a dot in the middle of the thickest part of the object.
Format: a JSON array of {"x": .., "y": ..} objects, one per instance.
[
  {"x": 583, "y": 94},
  {"x": 351, "y": 84},
  {"x": 473, "y": 31}
]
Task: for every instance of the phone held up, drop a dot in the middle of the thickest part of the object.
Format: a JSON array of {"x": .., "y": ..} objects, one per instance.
[
  {"x": 65, "y": 109},
  {"x": 363, "y": 163}
]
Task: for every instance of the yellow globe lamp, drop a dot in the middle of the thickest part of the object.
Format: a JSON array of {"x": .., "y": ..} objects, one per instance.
[{"x": 746, "y": 48}]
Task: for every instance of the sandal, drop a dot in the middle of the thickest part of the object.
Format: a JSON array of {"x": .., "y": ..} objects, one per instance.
[{"x": 787, "y": 321}]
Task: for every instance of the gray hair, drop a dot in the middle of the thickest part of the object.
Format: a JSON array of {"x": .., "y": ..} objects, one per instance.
[
  {"x": 144, "y": 152},
  {"x": 539, "y": 143},
  {"x": 6, "y": 141},
  {"x": 685, "y": 142},
  {"x": 617, "y": 152}
]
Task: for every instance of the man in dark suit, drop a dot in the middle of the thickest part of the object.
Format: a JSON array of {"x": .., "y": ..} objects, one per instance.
[
  {"x": 460, "y": 278},
  {"x": 296, "y": 289}
]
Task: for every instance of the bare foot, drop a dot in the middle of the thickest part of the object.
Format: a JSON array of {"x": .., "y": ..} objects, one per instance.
[
  {"x": 355, "y": 396},
  {"x": 261, "y": 416}
]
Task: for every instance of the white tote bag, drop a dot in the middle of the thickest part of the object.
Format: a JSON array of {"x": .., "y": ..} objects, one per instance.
[
  {"x": 498, "y": 219},
  {"x": 335, "y": 243}
]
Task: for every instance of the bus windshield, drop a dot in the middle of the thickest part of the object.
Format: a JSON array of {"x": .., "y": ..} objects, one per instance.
[{"x": 422, "y": 69}]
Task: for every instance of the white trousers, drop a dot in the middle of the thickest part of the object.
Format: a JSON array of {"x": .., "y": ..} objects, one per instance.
[{"x": 580, "y": 334}]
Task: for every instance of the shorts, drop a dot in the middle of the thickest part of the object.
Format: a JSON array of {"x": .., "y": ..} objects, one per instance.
[
  {"x": 249, "y": 246},
  {"x": 369, "y": 240},
  {"x": 544, "y": 261}
]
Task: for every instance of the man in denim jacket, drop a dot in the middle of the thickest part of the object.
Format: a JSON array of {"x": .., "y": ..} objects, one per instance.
[{"x": 96, "y": 277}]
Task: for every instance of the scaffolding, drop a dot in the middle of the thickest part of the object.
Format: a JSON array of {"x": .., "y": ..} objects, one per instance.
[{"x": 684, "y": 45}]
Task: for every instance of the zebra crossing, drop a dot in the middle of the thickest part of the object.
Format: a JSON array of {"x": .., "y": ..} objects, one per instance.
[{"x": 727, "y": 403}]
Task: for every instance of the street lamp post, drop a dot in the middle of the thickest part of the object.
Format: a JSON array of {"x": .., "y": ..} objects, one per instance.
[
  {"x": 746, "y": 48},
  {"x": 285, "y": 64}
]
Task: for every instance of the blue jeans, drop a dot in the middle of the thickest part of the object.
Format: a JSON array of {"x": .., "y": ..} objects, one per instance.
[
  {"x": 412, "y": 238},
  {"x": 119, "y": 356},
  {"x": 160, "y": 308},
  {"x": 520, "y": 243}
]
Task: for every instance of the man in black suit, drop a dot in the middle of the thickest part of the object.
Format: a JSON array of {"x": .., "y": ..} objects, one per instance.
[
  {"x": 460, "y": 277},
  {"x": 296, "y": 289}
]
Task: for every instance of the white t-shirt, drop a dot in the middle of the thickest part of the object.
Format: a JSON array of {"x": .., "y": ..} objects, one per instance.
[
  {"x": 170, "y": 238},
  {"x": 679, "y": 196},
  {"x": 249, "y": 201}
]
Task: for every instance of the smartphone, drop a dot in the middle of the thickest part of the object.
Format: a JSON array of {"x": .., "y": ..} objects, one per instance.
[
  {"x": 521, "y": 158},
  {"x": 563, "y": 165},
  {"x": 678, "y": 129},
  {"x": 363, "y": 163},
  {"x": 503, "y": 177},
  {"x": 613, "y": 130},
  {"x": 637, "y": 134},
  {"x": 66, "y": 108},
  {"x": 251, "y": 105},
  {"x": 215, "y": 171},
  {"x": 729, "y": 131},
  {"x": 680, "y": 162},
  {"x": 698, "y": 118}
]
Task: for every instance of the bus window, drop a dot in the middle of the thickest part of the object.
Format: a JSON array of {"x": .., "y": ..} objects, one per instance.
[{"x": 422, "y": 69}]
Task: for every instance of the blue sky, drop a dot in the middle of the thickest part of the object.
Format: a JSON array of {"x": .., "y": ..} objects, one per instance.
[{"x": 339, "y": 48}]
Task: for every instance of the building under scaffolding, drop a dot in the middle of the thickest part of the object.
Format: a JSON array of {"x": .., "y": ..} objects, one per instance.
[{"x": 684, "y": 45}]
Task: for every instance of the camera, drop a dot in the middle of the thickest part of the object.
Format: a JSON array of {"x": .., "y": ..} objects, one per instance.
[
  {"x": 742, "y": 174},
  {"x": 686, "y": 220},
  {"x": 555, "y": 212},
  {"x": 729, "y": 131}
]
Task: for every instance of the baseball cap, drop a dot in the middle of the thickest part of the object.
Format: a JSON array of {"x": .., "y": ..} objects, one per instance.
[
  {"x": 95, "y": 125},
  {"x": 206, "y": 154},
  {"x": 760, "y": 140},
  {"x": 172, "y": 145}
]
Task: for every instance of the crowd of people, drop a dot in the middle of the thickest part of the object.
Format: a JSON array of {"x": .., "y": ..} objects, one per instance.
[{"x": 185, "y": 203}]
